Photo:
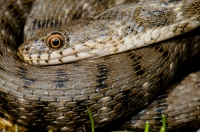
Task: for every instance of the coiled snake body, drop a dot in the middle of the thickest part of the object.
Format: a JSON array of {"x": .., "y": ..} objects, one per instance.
[{"x": 113, "y": 86}]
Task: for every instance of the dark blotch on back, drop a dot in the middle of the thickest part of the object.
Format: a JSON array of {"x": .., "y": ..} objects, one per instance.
[
  {"x": 60, "y": 79},
  {"x": 136, "y": 64},
  {"x": 174, "y": 0},
  {"x": 1, "y": 53},
  {"x": 23, "y": 74},
  {"x": 101, "y": 76},
  {"x": 164, "y": 53},
  {"x": 1, "y": 69}
]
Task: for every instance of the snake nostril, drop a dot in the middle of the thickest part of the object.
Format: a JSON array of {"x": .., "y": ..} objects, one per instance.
[{"x": 27, "y": 48}]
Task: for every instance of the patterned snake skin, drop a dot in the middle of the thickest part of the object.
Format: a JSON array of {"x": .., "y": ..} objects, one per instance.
[{"x": 113, "y": 87}]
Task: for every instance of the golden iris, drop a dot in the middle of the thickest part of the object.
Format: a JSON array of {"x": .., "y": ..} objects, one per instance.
[{"x": 55, "y": 41}]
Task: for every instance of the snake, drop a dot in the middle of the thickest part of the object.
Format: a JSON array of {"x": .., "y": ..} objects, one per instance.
[{"x": 117, "y": 61}]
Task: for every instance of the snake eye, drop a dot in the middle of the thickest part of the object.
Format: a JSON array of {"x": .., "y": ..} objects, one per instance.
[{"x": 55, "y": 41}]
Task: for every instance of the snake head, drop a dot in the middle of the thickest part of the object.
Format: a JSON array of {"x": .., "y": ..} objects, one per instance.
[
  {"x": 50, "y": 47},
  {"x": 43, "y": 47}
]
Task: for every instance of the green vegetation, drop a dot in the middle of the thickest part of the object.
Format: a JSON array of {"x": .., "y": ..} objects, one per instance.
[
  {"x": 16, "y": 128},
  {"x": 146, "y": 127},
  {"x": 163, "y": 128},
  {"x": 91, "y": 119},
  {"x": 50, "y": 130}
]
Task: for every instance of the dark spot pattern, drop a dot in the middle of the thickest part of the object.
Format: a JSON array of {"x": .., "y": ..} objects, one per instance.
[
  {"x": 23, "y": 74},
  {"x": 102, "y": 75},
  {"x": 61, "y": 79},
  {"x": 136, "y": 65},
  {"x": 162, "y": 51},
  {"x": 34, "y": 24},
  {"x": 1, "y": 53},
  {"x": 174, "y": 0}
]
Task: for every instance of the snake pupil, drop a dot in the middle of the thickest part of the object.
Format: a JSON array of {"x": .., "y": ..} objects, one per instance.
[{"x": 55, "y": 42}]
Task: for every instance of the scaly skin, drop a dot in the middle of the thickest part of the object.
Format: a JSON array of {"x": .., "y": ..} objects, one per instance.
[
  {"x": 119, "y": 29},
  {"x": 113, "y": 87}
]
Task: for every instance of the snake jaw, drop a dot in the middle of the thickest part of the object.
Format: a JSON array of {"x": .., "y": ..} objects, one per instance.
[{"x": 38, "y": 53}]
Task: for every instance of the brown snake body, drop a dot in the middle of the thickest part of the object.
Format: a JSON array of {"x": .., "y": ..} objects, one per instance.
[{"x": 113, "y": 87}]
